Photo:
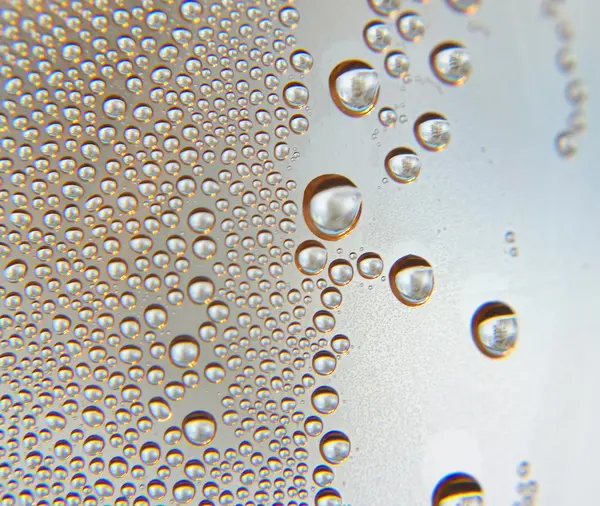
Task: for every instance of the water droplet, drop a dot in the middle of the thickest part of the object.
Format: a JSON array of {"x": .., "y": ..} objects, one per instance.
[
  {"x": 335, "y": 447},
  {"x": 388, "y": 117},
  {"x": 199, "y": 428},
  {"x": 302, "y": 61},
  {"x": 324, "y": 321},
  {"x": 354, "y": 87},
  {"x": 432, "y": 131},
  {"x": 494, "y": 329},
  {"x": 411, "y": 26},
  {"x": 155, "y": 316},
  {"x": 397, "y": 64},
  {"x": 289, "y": 17},
  {"x": 457, "y": 488},
  {"x": 370, "y": 265},
  {"x": 403, "y": 165},
  {"x": 566, "y": 144},
  {"x": 340, "y": 344},
  {"x": 114, "y": 107},
  {"x": 328, "y": 497},
  {"x": 159, "y": 409},
  {"x": 411, "y": 280},
  {"x": 311, "y": 257},
  {"x": 15, "y": 271},
  {"x": 184, "y": 351},
  {"x": 295, "y": 95},
  {"x": 324, "y": 363},
  {"x": 451, "y": 63},
  {"x": 332, "y": 206},
  {"x": 385, "y": 7},
  {"x": 201, "y": 290},
  {"x": 341, "y": 272},
  {"x": 377, "y": 36},
  {"x": 465, "y": 6}
]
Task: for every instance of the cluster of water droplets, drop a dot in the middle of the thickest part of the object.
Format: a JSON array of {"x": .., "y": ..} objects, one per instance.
[
  {"x": 576, "y": 92},
  {"x": 355, "y": 84},
  {"x": 150, "y": 348}
]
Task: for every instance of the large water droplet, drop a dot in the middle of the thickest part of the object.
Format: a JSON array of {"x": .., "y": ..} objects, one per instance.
[
  {"x": 494, "y": 329},
  {"x": 354, "y": 87},
  {"x": 403, "y": 165},
  {"x": 411, "y": 279},
  {"x": 332, "y": 206},
  {"x": 432, "y": 131},
  {"x": 451, "y": 63},
  {"x": 199, "y": 428}
]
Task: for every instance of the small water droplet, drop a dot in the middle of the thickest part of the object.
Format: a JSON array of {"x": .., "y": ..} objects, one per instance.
[
  {"x": 388, "y": 117},
  {"x": 199, "y": 428},
  {"x": 335, "y": 447},
  {"x": 494, "y": 329},
  {"x": 411, "y": 26},
  {"x": 385, "y": 7},
  {"x": 457, "y": 488},
  {"x": 377, "y": 36},
  {"x": 370, "y": 265},
  {"x": 403, "y": 165},
  {"x": 465, "y": 6},
  {"x": 451, "y": 63},
  {"x": 311, "y": 257},
  {"x": 397, "y": 64},
  {"x": 432, "y": 131}
]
